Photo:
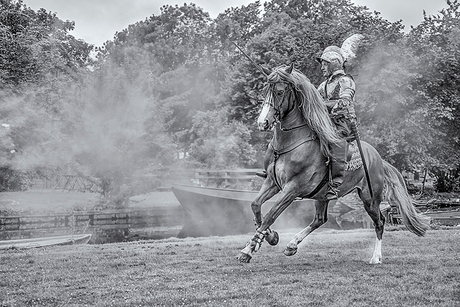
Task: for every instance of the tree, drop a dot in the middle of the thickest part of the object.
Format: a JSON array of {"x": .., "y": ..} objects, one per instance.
[
  {"x": 436, "y": 43},
  {"x": 220, "y": 143},
  {"x": 175, "y": 82},
  {"x": 35, "y": 45},
  {"x": 39, "y": 64},
  {"x": 120, "y": 129}
]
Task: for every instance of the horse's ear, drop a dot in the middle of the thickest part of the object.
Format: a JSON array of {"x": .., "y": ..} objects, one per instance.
[
  {"x": 266, "y": 70},
  {"x": 290, "y": 68}
]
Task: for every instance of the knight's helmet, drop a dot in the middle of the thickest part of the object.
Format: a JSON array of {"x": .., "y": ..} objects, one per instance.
[
  {"x": 332, "y": 53},
  {"x": 344, "y": 53}
]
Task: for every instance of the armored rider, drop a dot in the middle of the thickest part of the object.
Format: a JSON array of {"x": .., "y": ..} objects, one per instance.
[{"x": 338, "y": 91}]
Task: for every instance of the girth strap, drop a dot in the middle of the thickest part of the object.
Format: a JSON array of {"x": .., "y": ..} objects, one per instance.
[{"x": 319, "y": 186}]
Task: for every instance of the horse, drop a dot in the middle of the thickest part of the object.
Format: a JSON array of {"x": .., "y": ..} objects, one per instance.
[{"x": 296, "y": 166}]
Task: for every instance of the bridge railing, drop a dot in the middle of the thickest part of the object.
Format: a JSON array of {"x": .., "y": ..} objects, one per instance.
[
  {"x": 69, "y": 183},
  {"x": 227, "y": 177}
]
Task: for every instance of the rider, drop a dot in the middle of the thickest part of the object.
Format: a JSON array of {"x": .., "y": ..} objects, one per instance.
[{"x": 338, "y": 91}]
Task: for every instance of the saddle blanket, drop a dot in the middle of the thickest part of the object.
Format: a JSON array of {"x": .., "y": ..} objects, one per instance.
[{"x": 354, "y": 160}]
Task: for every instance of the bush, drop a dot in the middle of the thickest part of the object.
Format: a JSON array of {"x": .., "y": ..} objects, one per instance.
[
  {"x": 447, "y": 183},
  {"x": 12, "y": 180}
]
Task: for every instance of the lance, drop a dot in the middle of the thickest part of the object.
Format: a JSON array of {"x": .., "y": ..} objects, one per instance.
[
  {"x": 354, "y": 130},
  {"x": 259, "y": 67}
]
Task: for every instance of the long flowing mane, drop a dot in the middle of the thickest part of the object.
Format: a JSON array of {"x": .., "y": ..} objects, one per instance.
[{"x": 312, "y": 105}]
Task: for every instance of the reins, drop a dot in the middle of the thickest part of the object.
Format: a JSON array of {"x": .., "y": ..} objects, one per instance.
[
  {"x": 289, "y": 129},
  {"x": 277, "y": 152}
]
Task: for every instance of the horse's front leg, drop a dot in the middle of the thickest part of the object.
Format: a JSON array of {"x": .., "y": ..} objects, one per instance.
[
  {"x": 287, "y": 196},
  {"x": 267, "y": 191}
]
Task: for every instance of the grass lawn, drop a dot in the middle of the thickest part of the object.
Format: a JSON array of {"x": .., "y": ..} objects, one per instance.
[{"x": 330, "y": 269}]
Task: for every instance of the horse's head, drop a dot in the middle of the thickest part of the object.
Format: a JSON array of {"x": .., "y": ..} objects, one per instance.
[
  {"x": 289, "y": 90},
  {"x": 278, "y": 101}
]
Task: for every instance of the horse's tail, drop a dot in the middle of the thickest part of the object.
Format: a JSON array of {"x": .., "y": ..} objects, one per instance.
[{"x": 396, "y": 192}]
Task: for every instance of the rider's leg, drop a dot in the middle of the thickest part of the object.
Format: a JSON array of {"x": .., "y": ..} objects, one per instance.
[{"x": 338, "y": 165}]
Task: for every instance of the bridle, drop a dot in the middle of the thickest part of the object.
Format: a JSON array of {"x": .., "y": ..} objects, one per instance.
[{"x": 289, "y": 90}]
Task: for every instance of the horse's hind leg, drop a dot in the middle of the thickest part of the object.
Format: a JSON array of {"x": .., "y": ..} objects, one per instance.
[
  {"x": 320, "y": 219},
  {"x": 372, "y": 207}
]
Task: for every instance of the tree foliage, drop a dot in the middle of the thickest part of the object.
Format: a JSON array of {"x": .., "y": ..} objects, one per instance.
[
  {"x": 176, "y": 83},
  {"x": 113, "y": 138},
  {"x": 220, "y": 143},
  {"x": 435, "y": 42},
  {"x": 39, "y": 62},
  {"x": 34, "y": 45}
]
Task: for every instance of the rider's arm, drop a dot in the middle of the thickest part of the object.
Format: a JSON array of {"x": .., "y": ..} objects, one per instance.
[
  {"x": 331, "y": 103},
  {"x": 347, "y": 91}
]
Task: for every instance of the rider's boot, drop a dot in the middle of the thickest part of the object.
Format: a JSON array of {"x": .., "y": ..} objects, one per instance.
[{"x": 338, "y": 165}]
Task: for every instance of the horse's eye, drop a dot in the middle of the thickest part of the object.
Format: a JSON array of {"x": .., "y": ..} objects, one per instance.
[{"x": 280, "y": 93}]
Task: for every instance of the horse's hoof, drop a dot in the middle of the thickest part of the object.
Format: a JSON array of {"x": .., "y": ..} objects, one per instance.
[
  {"x": 289, "y": 251},
  {"x": 376, "y": 260},
  {"x": 245, "y": 258},
  {"x": 272, "y": 238}
]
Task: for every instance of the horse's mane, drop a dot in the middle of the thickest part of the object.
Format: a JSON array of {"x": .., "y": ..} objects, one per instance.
[{"x": 312, "y": 105}]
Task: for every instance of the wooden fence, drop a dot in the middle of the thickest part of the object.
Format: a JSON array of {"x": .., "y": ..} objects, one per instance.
[
  {"x": 99, "y": 223},
  {"x": 158, "y": 216},
  {"x": 115, "y": 226}
]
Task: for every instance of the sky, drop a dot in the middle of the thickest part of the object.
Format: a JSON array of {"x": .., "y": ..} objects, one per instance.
[{"x": 96, "y": 21}]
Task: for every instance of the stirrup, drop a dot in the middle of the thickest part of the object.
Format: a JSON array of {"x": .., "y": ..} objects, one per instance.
[
  {"x": 262, "y": 174},
  {"x": 332, "y": 193}
]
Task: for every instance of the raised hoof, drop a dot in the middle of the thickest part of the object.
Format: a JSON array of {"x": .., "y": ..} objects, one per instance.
[
  {"x": 290, "y": 251},
  {"x": 245, "y": 258},
  {"x": 272, "y": 238}
]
